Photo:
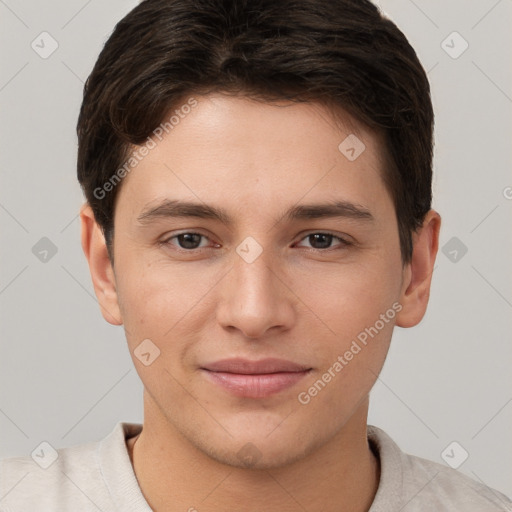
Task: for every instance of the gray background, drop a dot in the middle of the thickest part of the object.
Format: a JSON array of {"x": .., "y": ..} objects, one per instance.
[{"x": 65, "y": 374}]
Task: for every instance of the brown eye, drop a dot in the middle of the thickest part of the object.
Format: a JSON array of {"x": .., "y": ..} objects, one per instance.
[
  {"x": 322, "y": 241},
  {"x": 189, "y": 240},
  {"x": 186, "y": 241}
]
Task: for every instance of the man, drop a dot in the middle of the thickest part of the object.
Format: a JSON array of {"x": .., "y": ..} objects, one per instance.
[{"x": 258, "y": 218}]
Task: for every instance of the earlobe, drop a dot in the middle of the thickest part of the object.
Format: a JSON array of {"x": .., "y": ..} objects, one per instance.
[
  {"x": 418, "y": 273},
  {"x": 102, "y": 274}
]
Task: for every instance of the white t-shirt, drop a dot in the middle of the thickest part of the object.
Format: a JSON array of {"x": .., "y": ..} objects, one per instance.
[{"x": 98, "y": 476}]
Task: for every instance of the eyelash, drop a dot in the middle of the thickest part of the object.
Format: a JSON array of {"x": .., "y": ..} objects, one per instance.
[{"x": 344, "y": 243}]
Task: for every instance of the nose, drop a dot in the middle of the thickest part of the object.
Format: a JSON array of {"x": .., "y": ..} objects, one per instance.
[{"x": 256, "y": 298}]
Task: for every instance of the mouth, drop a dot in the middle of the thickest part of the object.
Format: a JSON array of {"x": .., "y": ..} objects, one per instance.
[{"x": 255, "y": 379}]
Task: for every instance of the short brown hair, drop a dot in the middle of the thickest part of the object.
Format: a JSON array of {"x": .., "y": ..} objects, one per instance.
[{"x": 338, "y": 52}]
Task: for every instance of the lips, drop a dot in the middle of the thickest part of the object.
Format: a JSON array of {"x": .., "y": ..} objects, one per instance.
[
  {"x": 254, "y": 379},
  {"x": 247, "y": 367}
]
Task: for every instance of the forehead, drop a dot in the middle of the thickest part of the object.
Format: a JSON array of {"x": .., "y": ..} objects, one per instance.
[{"x": 257, "y": 154}]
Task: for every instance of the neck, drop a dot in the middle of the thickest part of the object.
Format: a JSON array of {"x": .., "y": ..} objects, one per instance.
[{"x": 342, "y": 475}]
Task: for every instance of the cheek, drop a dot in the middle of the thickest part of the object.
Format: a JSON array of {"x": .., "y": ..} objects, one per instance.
[
  {"x": 154, "y": 306},
  {"x": 145, "y": 298},
  {"x": 351, "y": 355},
  {"x": 346, "y": 300},
  {"x": 354, "y": 312},
  {"x": 159, "y": 302}
]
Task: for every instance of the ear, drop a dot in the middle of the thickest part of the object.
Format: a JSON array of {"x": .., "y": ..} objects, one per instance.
[
  {"x": 418, "y": 273},
  {"x": 102, "y": 273}
]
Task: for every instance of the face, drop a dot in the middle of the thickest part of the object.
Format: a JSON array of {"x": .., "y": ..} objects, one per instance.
[{"x": 292, "y": 253}]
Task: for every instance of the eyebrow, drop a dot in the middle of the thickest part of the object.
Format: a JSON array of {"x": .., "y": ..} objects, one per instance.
[{"x": 179, "y": 209}]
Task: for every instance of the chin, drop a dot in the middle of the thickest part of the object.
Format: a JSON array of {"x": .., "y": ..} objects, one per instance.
[
  {"x": 255, "y": 456},
  {"x": 258, "y": 449}
]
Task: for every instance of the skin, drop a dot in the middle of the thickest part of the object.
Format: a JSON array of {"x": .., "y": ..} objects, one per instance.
[{"x": 301, "y": 300}]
